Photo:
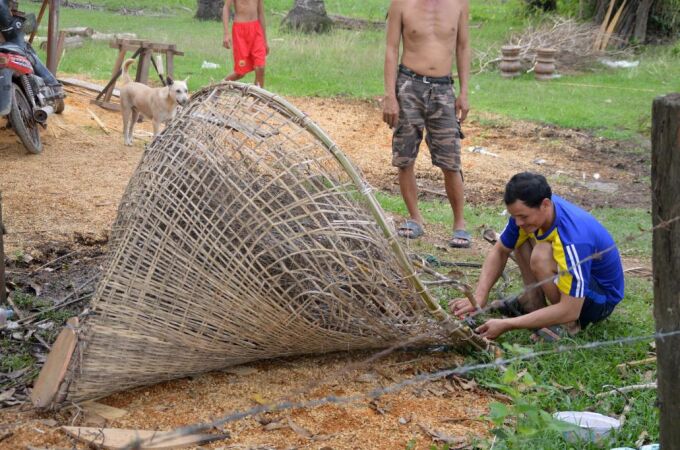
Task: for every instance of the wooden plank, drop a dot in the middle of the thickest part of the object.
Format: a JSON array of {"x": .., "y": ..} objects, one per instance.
[
  {"x": 123, "y": 42},
  {"x": 170, "y": 64},
  {"x": 113, "y": 438},
  {"x": 79, "y": 31},
  {"x": 105, "y": 411},
  {"x": 2, "y": 257},
  {"x": 53, "y": 372},
  {"x": 52, "y": 36},
  {"x": 666, "y": 260},
  {"x": 60, "y": 47},
  {"x": 86, "y": 85},
  {"x": 107, "y": 105},
  {"x": 115, "y": 73},
  {"x": 143, "y": 67}
]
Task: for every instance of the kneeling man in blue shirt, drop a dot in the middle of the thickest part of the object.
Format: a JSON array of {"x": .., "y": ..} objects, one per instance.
[{"x": 553, "y": 240}]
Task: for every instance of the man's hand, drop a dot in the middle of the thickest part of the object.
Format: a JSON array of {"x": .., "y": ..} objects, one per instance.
[
  {"x": 462, "y": 107},
  {"x": 493, "y": 328},
  {"x": 461, "y": 307},
  {"x": 390, "y": 111},
  {"x": 266, "y": 46},
  {"x": 226, "y": 43}
]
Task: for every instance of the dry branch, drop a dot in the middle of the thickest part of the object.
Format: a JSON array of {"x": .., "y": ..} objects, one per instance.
[
  {"x": 623, "y": 390},
  {"x": 572, "y": 40}
]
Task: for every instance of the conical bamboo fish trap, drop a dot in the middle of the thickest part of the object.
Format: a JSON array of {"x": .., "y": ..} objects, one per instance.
[{"x": 244, "y": 234}]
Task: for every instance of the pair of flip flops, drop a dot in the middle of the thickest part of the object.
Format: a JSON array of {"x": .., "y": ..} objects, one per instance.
[{"x": 413, "y": 230}]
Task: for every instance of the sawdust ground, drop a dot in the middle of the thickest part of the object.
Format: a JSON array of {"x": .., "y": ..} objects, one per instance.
[{"x": 451, "y": 407}]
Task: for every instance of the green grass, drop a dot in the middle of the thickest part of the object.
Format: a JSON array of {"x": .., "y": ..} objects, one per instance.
[
  {"x": 369, "y": 9},
  {"x": 570, "y": 380},
  {"x": 611, "y": 103}
]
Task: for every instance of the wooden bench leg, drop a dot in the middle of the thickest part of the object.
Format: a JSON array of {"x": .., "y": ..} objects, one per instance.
[
  {"x": 116, "y": 70},
  {"x": 143, "y": 67}
]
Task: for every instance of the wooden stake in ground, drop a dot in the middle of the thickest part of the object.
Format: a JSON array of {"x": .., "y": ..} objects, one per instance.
[
  {"x": 666, "y": 260},
  {"x": 2, "y": 257}
]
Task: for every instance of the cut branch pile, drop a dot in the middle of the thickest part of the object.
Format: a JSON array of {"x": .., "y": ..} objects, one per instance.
[{"x": 572, "y": 40}]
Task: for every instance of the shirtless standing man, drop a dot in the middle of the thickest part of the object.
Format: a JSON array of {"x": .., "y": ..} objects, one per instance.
[
  {"x": 418, "y": 94},
  {"x": 248, "y": 38}
]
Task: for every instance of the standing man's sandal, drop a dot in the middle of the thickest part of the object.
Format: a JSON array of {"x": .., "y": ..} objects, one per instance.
[
  {"x": 410, "y": 230},
  {"x": 461, "y": 239}
]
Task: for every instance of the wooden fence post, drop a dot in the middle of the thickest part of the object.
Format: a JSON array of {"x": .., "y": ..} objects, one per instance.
[
  {"x": 2, "y": 257},
  {"x": 666, "y": 260}
]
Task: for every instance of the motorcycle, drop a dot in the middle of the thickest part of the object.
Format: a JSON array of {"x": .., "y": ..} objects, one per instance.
[{"x": 24, "y": 96}]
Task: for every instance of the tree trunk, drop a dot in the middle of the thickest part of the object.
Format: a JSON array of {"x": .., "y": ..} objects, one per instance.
[
  {"x": 544, "y": 5},
  {"x": 641, "y": 18},
  {"x": 601, "y": 10},
  {"x": 209, "y": 9},
  {"x": 308, "y": 16}
]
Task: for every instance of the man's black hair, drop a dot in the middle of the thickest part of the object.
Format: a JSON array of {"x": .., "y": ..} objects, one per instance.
[{"x": 530, "y": 188}]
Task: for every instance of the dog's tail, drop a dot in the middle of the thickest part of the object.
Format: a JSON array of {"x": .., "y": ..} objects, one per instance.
[{"x": 126, "y": 67}]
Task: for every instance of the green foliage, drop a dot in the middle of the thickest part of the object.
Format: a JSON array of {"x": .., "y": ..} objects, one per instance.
[
  {"x": 26, "y": 301},
  {"x": 521, "y": 420},
  {"x": 665, "y": 18},
  {"x": 14, "y": 362}
]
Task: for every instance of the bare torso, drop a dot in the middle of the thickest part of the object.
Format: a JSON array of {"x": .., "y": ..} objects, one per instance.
[
  {"x": 246, "y": 10},
  {"x": 429, "y": 31}
]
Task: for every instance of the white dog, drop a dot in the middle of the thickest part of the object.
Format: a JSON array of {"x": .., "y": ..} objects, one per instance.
[{"x": 157, "y": 104}]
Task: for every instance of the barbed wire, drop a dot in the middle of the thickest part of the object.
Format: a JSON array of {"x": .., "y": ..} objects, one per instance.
[
  {"x": 376, "y": 393},
  {"x": 461, "y": 370}
]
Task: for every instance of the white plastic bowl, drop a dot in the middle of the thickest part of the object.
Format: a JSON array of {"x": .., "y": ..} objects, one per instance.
[{"x": 591, "y": 426}]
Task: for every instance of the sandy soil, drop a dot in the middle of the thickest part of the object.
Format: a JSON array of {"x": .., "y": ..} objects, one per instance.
[{"x": 73, "y": 189}]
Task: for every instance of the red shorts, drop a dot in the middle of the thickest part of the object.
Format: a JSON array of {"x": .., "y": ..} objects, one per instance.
[{"x": 250, "y": 50}]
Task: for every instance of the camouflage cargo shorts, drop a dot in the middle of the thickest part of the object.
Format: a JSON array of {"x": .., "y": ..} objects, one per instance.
[{"x": 428, "y": 106}]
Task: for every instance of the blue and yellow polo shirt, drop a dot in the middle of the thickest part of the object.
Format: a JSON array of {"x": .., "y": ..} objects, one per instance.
[{"x": 576, "y": 235}]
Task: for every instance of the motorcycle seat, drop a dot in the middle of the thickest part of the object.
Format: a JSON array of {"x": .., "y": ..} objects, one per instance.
[{"x": 12, "y": 48}]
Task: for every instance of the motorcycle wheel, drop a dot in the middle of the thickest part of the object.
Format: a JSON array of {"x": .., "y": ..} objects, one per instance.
[{"x": 23, "y": 124}]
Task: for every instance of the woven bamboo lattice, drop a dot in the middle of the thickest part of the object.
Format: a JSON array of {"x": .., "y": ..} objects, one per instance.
[{"x": 245, "y": 234}]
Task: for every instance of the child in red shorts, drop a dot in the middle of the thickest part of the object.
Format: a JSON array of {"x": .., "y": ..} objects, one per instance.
[{"x": 248, "y": 38}]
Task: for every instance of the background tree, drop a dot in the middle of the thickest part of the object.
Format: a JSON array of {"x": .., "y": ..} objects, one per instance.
[
  {"x": 209, "y": 9},
  {"x": 308, "y": 16},
  {"x": 544, "y": 5},
  {"x": 639, "y": 21}
]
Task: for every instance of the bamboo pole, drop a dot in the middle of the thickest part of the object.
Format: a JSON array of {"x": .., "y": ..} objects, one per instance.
[
  {"x": 598, "y": 39},
  {"x": 612, "y": 26}
]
